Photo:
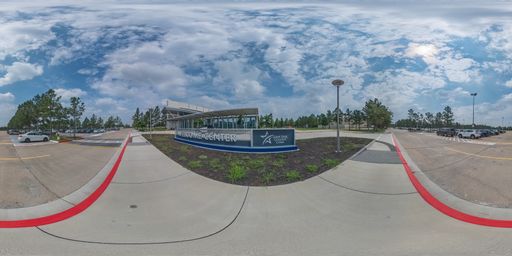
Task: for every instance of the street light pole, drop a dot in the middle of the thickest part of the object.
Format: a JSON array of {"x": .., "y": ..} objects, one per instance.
[
  {"x": 337, "y": 83},
  {"x": 474, "y": 95}
]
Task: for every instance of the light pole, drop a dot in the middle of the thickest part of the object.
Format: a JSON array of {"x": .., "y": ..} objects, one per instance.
[
  {"x": 474, "y": 95},
  {"x": 337, "y": 83},
  {"x": 50, "y": 107}
]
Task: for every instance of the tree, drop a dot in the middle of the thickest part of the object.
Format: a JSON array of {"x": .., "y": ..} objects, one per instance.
[
  {"x": 358, "y": 117},
  {"x": 377, "y": 114},
  {"x": 438, "y": 119},
  {"x": 137, "y": 119},
  {"x": 429, "y": 117},
  {"x": 348, "y": 117},
  {"x": 76, "y": 110},
  {"x": 448, "y": 116}
]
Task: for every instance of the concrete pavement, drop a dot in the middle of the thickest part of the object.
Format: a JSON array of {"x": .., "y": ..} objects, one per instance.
[{"x": 156, "y": 207}]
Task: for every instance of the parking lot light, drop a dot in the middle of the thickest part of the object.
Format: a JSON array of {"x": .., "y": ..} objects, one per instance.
[
  {"x": 338, "y": 83},
  {"x": 474, "y": 95}
]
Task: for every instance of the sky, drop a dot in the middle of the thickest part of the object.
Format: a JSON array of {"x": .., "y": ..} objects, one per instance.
[{"x": 278, "y": 56}]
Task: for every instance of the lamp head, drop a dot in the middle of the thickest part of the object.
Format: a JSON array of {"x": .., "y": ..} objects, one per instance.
[
  {"x": 473, "y": 94},
  {"x": 337, "y": 82}
]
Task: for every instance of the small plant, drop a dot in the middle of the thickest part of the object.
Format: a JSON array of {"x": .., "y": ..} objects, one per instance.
[
  {"x": 182, "y": 158},
  {"x": 311, "y": 167},
  {"x": 349, "y": 146},
  {"x": 255, "y": 164},
  {"x": 202, "y": 157},
  {"x": 195, "y": 164},
  {"x": 281, "y": 156},
  {"x": 279, "y": 163},
  {"x": 292, "y": 175},
  {"x": 184, "y": 148},
  {"x": 215, "y": 164},
  {"x": 330, "y": 162},
  {"x": 236, "y": 172},
  {"x": 268, "y": 177}
]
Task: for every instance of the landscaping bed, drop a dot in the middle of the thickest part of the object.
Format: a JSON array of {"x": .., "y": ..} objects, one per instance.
[{"x": 314, "y": 157}]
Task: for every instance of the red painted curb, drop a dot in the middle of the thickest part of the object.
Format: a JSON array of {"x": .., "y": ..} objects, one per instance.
[
  {"x": 440, "y": 206},
  {"x": 71, "y": 211}
]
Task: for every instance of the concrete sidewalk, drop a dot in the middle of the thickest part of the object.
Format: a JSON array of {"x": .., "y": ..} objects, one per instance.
[{"x": 156, "y": 207}]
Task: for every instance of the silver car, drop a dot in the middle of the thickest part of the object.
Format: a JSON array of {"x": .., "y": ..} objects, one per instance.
[{"x": 33, "y": 136}]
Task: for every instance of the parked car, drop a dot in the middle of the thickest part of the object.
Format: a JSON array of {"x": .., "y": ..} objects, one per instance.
[
  {"x": 33, "y": 136},
  {"x": 469, "y": 133},
  {"x": 447, "y": 132},
  {"x": 485, "y": 132},
  {"x": 13, "y": 132}
]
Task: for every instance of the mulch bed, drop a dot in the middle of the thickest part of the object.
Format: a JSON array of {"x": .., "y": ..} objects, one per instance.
[{"x": 314, "y": 157}]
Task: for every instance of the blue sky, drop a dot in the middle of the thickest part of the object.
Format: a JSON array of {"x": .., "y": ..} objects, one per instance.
[{"x": 278, "y": 56}]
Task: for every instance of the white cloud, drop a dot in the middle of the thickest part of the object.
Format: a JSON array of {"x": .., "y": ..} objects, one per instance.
[
  {"x": 20, "y": 36},
  {"x": 68, "y": 93},
  {"x": 7, "y": 108},
  {"x": 4, "y": 97},
  {"x": 491, "y": 113},
  {"x": 509, "y": 83},
  {"x": 20, "y": 71}
]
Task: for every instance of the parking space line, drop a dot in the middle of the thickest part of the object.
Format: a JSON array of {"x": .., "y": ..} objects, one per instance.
[
  {"x": 480, "y": 156},
  {"x": 21, "y": 158}
]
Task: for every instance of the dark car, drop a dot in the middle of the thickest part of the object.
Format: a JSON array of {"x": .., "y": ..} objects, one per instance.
[
  {"x": 486, "y": 132},
  {"x": 447, "y": 132},
  {"x": 13, "y": 132}
]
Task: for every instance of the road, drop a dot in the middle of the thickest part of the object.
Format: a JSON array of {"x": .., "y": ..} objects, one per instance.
[{"x": 474, "y": 170}]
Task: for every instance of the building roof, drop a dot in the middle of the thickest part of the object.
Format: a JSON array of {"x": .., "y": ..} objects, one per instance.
[
  {"x": 180, "y": 106},
  {"x": 219, "y": 113}
]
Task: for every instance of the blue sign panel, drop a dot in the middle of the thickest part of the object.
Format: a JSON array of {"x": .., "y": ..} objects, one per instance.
[
  {"x": 216, "y": 136},
  {"x": 273, "y": 137}
]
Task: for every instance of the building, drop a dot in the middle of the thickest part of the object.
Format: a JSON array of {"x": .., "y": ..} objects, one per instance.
[
  {"x": 174, "y": 109},
  {"x": 234, "y": 130}
]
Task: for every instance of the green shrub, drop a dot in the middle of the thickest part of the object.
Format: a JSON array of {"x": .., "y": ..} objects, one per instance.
[
  {"x": 349, "y": 146},
  {"x": 279, "y": 163},
  {"x": 215, "y": 164},
  {"x": 268, "y": 177},
  {"x": 236, "y": 172},
  {"x": 182, "y": 158},
  {"x": 330, "y": 162},
  {"x": 202, "y": 157},
  {"x": 195, "y": 164},
  {"x": 255, "y": 164},
  {"x": 281, "y": 156},
  {"x": 184, "y": 148},
  {"x": 292, "y": 175},
  {"x": 311, "y": 167}
]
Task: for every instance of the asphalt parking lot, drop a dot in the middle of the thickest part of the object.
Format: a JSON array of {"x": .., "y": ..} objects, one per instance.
[
  {"x": 474, "y": 170},
  {"x": 36, "y": 173}
]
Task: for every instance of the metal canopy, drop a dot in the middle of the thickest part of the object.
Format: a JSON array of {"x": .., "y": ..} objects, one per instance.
[{"x": 219, "y": 113}]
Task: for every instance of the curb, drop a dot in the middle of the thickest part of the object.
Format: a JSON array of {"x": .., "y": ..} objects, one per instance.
[
  {"x": 442, "y": 207},
  {"x": 75, "y": 210}
]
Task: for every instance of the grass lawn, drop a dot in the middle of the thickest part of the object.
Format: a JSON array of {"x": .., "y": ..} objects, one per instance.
[{"x": 314, "y": 157}]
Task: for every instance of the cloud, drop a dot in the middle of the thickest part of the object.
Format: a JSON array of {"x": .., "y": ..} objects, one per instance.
[
  {"x": 4, "y": 97},
  {"x": 20, "y": 36},
  {"x": 7, "y": 108},
  {"x": 20, "y": 71},
  {"x": 66, "y": 94},
  {"x": 509, "y": 83}
]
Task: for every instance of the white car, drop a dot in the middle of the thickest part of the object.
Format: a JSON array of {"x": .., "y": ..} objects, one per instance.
[
  {"x": 33, "y": 136},
  {"x": 469, "y": 133}
]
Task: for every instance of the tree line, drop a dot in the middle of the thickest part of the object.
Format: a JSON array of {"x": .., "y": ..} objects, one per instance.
[
  {"x": 153, "y": 116},
  {"x": 374, "y": 114},
  {"x": 428, "y": 120},
  {"x": 45, "y": 111}
]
